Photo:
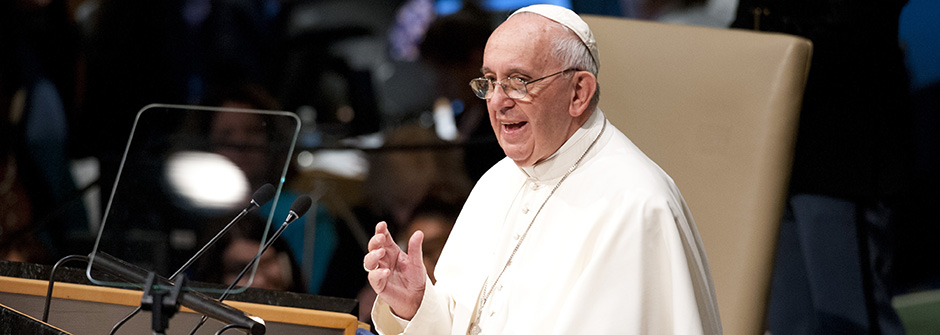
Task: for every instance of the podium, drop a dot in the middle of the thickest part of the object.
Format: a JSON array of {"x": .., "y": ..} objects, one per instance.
[
  {"x": 81, "y": 308},
  {"x": 15, "y": 322}
]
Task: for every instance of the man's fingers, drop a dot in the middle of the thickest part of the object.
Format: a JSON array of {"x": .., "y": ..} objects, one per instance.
[
  {"x": 378, "y": 279},
  {"x": 373, "y": 259},
  {"x": 381, "y": 228},
  {"x": 377, "y": 241},
  {"x": 370, "y": 261},
  {"x": 414, "y": 247},
  {"x": 382, "y": 237}
]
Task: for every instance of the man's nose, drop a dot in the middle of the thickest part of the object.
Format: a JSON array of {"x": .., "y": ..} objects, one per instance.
[{"x": 500, "y": 98}]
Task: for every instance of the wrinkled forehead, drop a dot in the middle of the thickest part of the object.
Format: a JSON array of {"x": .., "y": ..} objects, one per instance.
[{"x": 523, "y": 41}]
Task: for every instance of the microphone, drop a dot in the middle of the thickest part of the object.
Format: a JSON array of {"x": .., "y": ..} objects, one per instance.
[
  {"x": 264, "y": 194},
  {"x": 297, "y": 210}
]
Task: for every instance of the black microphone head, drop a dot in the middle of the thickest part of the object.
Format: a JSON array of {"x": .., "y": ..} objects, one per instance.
[
  {"x": 263, "y": 195},
  {"x": 301, "y": 205}
]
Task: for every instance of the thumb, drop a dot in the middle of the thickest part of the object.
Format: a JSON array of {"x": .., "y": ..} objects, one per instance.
[{"x": 414, "y": 247}]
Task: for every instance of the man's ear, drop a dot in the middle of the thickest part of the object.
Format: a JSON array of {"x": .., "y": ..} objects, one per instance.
[{"x": 585, "y": 84}]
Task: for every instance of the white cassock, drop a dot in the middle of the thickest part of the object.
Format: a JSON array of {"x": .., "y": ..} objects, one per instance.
[{"x": 613, "y": 251}]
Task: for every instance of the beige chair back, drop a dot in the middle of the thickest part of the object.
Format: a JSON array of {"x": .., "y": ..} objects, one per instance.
[{"x": 718, "y": 110}]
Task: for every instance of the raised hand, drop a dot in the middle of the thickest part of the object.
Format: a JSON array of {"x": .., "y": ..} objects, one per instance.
[{"x": 397, "y": 277}]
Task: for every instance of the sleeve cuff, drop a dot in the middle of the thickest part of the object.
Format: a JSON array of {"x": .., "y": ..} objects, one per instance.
[{"x": 430, "y": 311}]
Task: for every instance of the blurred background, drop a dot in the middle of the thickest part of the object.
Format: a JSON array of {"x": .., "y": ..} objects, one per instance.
[{"x": 389, "y": 127}]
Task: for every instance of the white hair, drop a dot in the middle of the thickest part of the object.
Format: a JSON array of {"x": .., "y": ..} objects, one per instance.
[{"x": 573, "y": 54}]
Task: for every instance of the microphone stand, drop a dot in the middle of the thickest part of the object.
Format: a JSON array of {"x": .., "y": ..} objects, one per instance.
[
  {"x": 193, "y": 300},
  {"x": 161, "y": 305}
]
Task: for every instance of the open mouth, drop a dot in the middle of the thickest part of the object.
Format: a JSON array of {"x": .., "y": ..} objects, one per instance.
[{"x": 514, "y": 125}]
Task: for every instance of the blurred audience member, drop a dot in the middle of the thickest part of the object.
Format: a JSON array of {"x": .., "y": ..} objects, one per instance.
[
  {"x": 245, "y": 141},
  {"x": 436, "y": 219},
  {"x": 17, "y": 240},
  {"x": 413, "y": 165},
  {"x": 453, "y": 46},
  {"x": 850, "y": 170},
  {"x": 41, "y": 213},
  {"x": 411, "y": 23},
  {"x": 277, "y": 268}
]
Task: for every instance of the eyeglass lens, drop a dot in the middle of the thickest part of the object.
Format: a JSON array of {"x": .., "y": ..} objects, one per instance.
[{"x": 513, "y": 87}]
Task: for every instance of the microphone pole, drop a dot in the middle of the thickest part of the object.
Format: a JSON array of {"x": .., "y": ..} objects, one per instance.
[
  {"x": 297, "y": 209},
  {"x": 258, "y": 199}
]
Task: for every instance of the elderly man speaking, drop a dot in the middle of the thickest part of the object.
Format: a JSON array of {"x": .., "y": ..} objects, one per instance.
[{"x": 576, "y": 231}]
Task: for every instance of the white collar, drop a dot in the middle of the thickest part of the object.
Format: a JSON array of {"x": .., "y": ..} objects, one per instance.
[{"x": 559, "y": 162}]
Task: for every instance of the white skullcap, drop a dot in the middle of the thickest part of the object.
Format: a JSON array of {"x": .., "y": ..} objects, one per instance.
[{"x": 569, "y": 19}]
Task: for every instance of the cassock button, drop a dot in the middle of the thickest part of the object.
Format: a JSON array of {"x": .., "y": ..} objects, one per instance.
[
  {"x": 515, "y": 236},
  {"x": 525, "y": 210},
  {"x": 535, "y": 186}
]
